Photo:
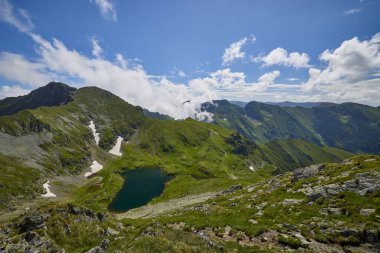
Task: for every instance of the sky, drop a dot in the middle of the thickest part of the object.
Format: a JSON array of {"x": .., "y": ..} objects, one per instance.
[{"x": 170, "y": 56}]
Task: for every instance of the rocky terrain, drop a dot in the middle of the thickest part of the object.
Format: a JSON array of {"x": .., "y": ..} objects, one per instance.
[{"x": 321, "y": 208}]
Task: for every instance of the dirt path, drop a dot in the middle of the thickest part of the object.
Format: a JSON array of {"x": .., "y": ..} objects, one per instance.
[{"x": 153, "y": 210}]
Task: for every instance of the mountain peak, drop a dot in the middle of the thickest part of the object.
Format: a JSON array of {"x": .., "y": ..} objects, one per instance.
[{"x": 52, "y": 94}]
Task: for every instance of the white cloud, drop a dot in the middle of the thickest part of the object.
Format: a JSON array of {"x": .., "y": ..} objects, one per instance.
[
  {"x": 107, "y": 9},
  {"x": 17, "y": 68},
  {"x": 12, "y": 91},
  {"x": 97, "y": 51},
  {"x": 292, "y": 79},
  {"x": 227, "y": 78},
  {"x": 121, "y": 61},
  {"x": 280, "y": 56},
  {"x": 353, "y": 61},
  {"x": 225, "y": 81},
  {"x": 234, "y": 51},
  {"x": 265, "y": 81},
  {"x": 352, "y": 11},
  {"x": 57, "y": 62},
  {"x": 19, "y": 18}
]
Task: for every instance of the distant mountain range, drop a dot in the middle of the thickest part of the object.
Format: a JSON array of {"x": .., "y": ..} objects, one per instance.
[
  {"x": 349, "y": 126},
  {"x": 282, "y": 104}
]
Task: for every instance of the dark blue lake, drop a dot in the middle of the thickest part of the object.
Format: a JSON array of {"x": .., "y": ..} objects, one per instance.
[{"x": 140, "y": 186}]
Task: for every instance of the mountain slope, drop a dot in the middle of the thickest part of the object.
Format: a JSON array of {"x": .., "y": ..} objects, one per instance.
[
  {"x": 291, "y": 153},
  {"x": 57, "y": 141},
  {"x": 323, "y": 208},
  {"x": 348, "y": 126}
]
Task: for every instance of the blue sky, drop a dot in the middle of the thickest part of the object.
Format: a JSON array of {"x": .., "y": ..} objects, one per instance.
[{"x": 175, "y": 50}]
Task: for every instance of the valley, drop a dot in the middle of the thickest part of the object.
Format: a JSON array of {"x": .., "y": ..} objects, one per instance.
[{"x": 196, "y": 186}]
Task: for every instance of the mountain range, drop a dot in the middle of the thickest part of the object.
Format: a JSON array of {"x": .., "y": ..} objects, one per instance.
[
  {"x": 229, "y": 178},
  {"x": 348, "y": 126}
]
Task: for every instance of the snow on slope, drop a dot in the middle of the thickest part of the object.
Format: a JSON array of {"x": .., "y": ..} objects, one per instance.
[
  {"x": 95, "y": 167},
  {"x": 116, "y": 149},
  {"x": 93, "y": 129}
]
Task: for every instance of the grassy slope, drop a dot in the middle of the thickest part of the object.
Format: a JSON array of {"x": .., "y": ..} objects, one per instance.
[
  {"x": 288, "y": 154},
  {"x": 349, "y": 126},
  {"x": 300, "y": 216},
  {"x": 200, "y": 158},
  {"x": 68, "y": 152},
  {"x": 203, "y": 156},
  {"x": 196, "y": 153},
  {"x": 217, "y": 213}
]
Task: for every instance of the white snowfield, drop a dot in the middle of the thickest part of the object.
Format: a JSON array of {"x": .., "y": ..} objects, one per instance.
[
  {"x": 116, "y": 149},
  {"x": 93, "y": 129},
  {"x": 95, "y": 167},
  {"x": 48, "y": 193},
  {"x": 251, "y": 168}
]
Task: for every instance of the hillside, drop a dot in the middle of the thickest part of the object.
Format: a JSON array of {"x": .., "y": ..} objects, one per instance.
[
  {"x": 56, "y": 142},
  {"x": 352, "y": 127},
  {"x": 321, "y": 208}
]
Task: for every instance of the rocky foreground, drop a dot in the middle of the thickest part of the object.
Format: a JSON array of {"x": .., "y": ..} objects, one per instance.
[{"x": 320, "y": 208}]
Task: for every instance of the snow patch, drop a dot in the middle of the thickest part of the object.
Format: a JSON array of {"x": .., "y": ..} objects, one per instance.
[
  {"x": 95, "y": 167},
  {"x": 116, "y": 149},
  {"x": 48, "y": 193},
  {"x": 251, "y": 168},
  {"x": 93, "y": 129}
]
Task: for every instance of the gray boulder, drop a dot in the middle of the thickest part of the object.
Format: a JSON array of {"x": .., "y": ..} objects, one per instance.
[
  {"x": 307, "y": 172},
  {"x": 362, "y": 184},
  {"x": 102, "y": 248},
  {"x": 367, "y": 211},
  {"x": 232, "y": 189},
  {"x": 32, "y": 222}
]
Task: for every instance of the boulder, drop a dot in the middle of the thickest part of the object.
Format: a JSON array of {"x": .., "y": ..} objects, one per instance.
[
  {"x": 109, "y": 231},
  {"x": 367, "y": 211},
  {"x": 102, "y": 248},
  {"x": 232, "y": 189},
  {"x": 307, "y": 172},
  {"x": 362, "y": 184},
  {"x": 32, "y": 222},
  {"x": 290, "y": 202}
]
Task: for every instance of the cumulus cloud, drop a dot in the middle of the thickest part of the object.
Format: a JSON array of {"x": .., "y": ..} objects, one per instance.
[
  {"x": 265, "y": 81},
  {"x": 131, "y": 83},
  {"x": 234, "y": 51},
  {"x": 352, "y": 11},
  {"x": 225, "y": 81},
  {"x": 55, "y": 61},
  {"x": 17, "y": 68},
  {"x": 280, "y": 56},
  {"x": 351, "y": 62},
  {"x": 106, "y": 8},
  {"x": 17, "y": 18},
  {"x": 12, "y": 91}
]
